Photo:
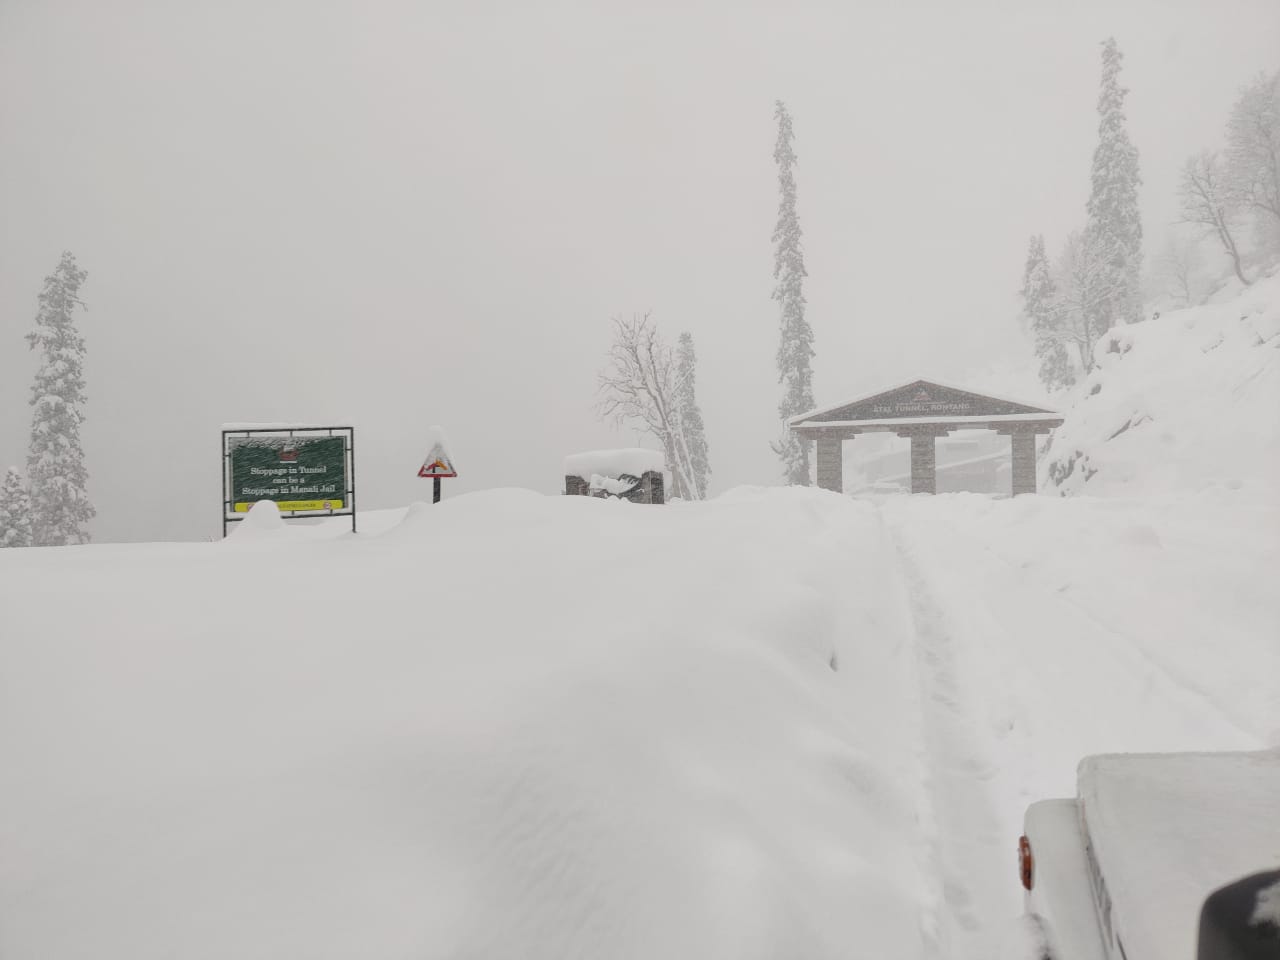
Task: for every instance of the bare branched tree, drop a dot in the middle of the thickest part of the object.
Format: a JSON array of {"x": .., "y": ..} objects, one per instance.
[
  {"x": 641, "y": 385},
  {"x": 1253, "y": 147},
  {"x": 1208, "y": 203},
  {"x": 1084, "y": 282},
  {"x": 1178, "y": 271}
]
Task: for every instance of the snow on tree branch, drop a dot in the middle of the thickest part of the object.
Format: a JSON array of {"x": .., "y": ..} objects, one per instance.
[
  {"x": 642, "y": 385},
  {"x": 795, "y": 346},
  {"x": 56, "y": 471}
]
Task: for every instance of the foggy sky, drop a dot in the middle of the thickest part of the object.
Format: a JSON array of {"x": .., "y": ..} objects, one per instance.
[{"x": 406, "y": 214}]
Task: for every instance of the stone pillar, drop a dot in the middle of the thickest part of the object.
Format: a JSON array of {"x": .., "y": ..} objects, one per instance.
[
  {"x": 831, "y": 463},
  {"x": 924, "y": 461},
  {"x": 924, "y": 470},
  {"x": 1023, "y": 444},
  {"x": 657, "y": 487}
]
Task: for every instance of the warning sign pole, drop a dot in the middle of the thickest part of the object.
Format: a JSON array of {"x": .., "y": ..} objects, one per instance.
[{"x": 438, "y": 464}]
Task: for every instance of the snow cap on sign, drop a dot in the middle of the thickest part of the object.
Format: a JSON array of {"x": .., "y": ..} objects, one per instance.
[
  {"x": 240, "y": 426},
  {"x": 438, "y": 462}
]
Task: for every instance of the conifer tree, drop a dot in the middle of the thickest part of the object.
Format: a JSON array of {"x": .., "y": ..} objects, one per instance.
[
  {"x": 795, "y": 347},
  {"x": 1113, "y": 232},
  {"x": 15, "y": 511},
  {"x": 1044, "y": 316},
  {"x": 692, "y": 429},
  {"x": 55, "y": 460}
]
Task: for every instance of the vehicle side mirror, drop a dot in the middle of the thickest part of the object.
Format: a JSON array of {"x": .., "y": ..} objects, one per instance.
[{"x": 1241, "y": 921}]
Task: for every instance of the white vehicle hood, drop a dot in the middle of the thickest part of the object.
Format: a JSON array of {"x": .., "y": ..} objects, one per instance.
[{"x": 1169, "y": 829}]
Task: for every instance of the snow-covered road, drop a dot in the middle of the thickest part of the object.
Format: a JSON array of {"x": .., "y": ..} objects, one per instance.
[
  {"x": 779, "y": 723},
  {"x": 1050, "y": 629}
]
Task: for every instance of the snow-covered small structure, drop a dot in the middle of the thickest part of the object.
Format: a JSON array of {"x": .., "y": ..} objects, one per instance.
[{"x": 631, "y": 473}]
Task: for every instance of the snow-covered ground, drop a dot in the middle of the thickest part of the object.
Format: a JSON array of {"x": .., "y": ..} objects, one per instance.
[
  {"x": 780, "y": 723},
  {"x": 507, "y": 725},
  {"x": 1062, "y": 628}
]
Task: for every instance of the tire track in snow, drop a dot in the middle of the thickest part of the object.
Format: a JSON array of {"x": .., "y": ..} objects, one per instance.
[
  {"x": 1178, "y": 684},
  {"x": 965, "y": 823},
  {"x": 1017, "y": 682},
  {"x": 1137, "y": 659}
]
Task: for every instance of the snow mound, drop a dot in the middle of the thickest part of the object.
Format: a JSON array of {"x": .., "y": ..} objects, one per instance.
[
  {"x": 1185, "y": 403},
  {"x": 508, "y": 726},
  {"x": 262, "y": 520},
  {"x": 611, "y": 485}
]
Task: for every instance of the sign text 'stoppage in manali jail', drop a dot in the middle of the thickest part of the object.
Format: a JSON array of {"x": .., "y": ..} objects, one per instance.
[{"x": 297, "y": 473}]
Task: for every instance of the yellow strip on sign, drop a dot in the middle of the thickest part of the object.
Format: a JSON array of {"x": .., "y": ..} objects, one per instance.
[{"x": 286, "y": 505}]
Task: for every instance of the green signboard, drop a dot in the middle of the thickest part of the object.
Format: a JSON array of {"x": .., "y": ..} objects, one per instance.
[{"x": 297, "y": 473}]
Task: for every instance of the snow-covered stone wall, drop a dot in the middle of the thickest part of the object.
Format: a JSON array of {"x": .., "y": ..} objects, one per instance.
[{"x": 629, "y": 461}]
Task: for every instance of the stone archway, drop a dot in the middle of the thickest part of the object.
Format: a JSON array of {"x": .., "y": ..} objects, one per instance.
[{"x": 922, "y": 411}]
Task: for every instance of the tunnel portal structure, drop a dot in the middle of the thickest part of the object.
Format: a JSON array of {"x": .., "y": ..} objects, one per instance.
[{"x": 924, "y": 411}]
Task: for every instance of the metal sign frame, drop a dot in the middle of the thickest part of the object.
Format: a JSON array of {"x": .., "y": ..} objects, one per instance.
[{"x": 349, "y": 453}]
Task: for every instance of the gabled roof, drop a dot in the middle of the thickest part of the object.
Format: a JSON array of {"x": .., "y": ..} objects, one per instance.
[{"x": 921, "y": 401}]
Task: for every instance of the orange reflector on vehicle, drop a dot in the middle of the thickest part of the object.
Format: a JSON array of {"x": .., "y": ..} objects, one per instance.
[{"x": 1026, "y": 865}]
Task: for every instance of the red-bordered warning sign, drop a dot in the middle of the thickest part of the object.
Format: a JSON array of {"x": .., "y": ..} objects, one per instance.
[{"x": 438, "y": 463}]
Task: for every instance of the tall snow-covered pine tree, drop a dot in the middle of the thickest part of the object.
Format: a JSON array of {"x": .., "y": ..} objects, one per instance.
[
  {"x": 56, "y": 472},
  {"x": 795, "y": 348},
  {"x": 1114, "y": 227},
  {"x": 1040, "y": 307},
  {"x": 15, "y": 511},
  {"x": 694, "y": 433}
]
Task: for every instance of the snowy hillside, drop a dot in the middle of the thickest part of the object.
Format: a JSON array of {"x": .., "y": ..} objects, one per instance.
[
  {"x": 1187, "y": 403},
  {"x": 780, "y": 723}
]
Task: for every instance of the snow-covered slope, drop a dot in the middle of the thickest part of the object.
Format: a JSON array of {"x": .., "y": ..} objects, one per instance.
[{"x": 1187, "y": 403}]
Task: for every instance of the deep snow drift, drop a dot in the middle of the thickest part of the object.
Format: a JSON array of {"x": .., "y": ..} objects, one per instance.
[
  {"x": 780, "y": 723},
  {"x": 508, "y": 726}
]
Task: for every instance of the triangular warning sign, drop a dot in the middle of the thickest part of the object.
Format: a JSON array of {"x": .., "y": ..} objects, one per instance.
[{"x": 437, "y": 463}]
